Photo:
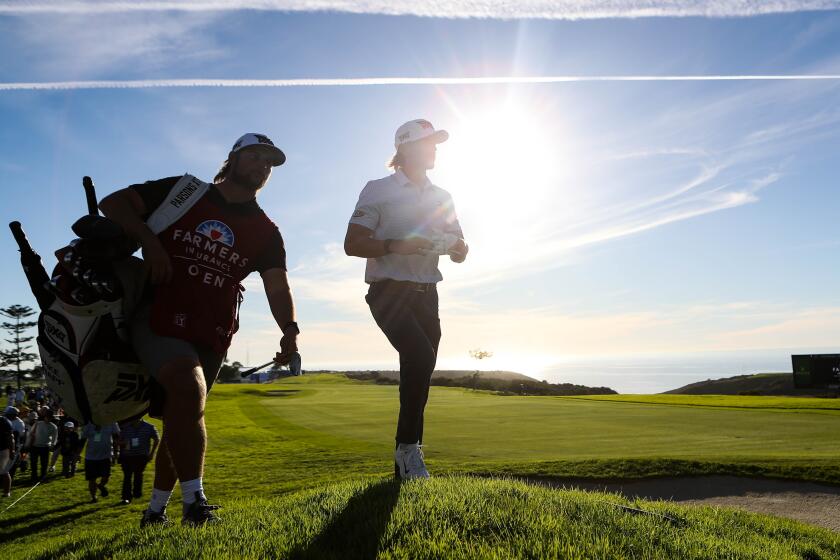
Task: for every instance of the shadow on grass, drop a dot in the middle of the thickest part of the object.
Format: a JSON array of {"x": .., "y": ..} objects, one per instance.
[
  {"x": 282, "y": 392},
  {"x": 357, "y": 531},
  {"x": 45, "y": 525},
  {"x": 23, "y": 517},
  {"x": 270, "y": 393}
]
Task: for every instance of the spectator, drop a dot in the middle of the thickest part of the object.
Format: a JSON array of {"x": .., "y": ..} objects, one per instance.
[
  {"x": 29, "y": 424},
  {"x": 68, "y": 447},
  {"x": 101, "y": 449},
  {"x": 40, "y": 441},
  {"x": 19, "y": 428},
  {"x": 7, "y": 451},
  {"x": 138, "y": 442}
]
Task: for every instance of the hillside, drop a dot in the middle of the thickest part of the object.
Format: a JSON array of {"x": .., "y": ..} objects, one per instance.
[
  {"x": 301, "y": 468},
  {"x": 444, "y": 373},
  {"x": 499, "y": 382},
  {"x": 453, "y": 517},
  {"x": 769, "y": 384}
]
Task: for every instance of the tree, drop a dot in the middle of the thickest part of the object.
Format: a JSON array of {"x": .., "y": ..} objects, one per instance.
[
  {"x": 230, "y": 373},
  {"x": 18, "y": 354},
  {"x": 478, "y": 354}
]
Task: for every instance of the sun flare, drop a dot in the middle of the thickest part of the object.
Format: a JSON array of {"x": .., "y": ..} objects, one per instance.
[{"x": 502, "y": 166}]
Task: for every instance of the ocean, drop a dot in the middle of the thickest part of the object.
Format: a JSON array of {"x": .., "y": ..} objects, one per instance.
[{"x": 658, "y": 373}]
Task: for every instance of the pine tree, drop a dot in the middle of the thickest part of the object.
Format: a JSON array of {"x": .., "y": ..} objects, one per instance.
[{"x": 18, "y": 354}]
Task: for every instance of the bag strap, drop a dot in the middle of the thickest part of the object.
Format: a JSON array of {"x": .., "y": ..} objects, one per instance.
[{"x": 183, "y": 196}]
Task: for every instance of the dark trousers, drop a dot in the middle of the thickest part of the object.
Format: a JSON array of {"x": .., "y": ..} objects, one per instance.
[
  {"x": 408, "y": 315},
  {"x": 133, "y": 467},
  {"x": 68, "y": 464},
  {"x": 37, "y": 454}
]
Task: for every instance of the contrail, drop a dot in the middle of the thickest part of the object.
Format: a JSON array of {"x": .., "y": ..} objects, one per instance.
[
  {"x": 396, "y": 81},
  {"x": 495, "y": 9}
]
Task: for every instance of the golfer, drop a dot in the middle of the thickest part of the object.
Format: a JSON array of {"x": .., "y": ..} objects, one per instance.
[{"x": 402, "y": 224}]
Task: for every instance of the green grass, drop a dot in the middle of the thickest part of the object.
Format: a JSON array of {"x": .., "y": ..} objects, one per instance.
[
  {"x": 456, "y": 517},
  {"x": 299, "y": 467},
  {"x": 792, "y": 404}
]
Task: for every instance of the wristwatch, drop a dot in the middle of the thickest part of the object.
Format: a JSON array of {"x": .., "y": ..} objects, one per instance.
[{"x": 291, "y": 324}]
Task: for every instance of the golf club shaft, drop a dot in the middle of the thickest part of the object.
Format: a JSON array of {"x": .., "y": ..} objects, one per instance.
[{"x": 248, "y": 372}]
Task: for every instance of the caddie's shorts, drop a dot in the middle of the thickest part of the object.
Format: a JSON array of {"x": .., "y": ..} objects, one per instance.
[{"x": 154, "y": 350}]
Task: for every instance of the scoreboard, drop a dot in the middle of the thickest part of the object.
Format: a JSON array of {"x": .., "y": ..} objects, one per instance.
[{"x": 811, "y": 371}]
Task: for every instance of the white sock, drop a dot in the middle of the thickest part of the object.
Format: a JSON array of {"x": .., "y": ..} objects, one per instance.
[
  {"x": 189, "y": 488},
  {"x": 159, "y": 499}
]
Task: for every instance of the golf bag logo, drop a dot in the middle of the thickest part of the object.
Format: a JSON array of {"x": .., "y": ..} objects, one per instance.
[
  {"x": 89, "y": 382},
  {"x": 130, "y": 387},
  {"x": 216, "y": 231}
]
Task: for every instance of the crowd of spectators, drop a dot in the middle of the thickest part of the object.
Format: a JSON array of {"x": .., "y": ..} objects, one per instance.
[{"x": 35, "y": 432}]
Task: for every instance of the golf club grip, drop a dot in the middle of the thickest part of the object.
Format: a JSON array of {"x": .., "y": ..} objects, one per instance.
[
  {"x": 20, "y": 237},
  {"x": 90, "y": 194}
]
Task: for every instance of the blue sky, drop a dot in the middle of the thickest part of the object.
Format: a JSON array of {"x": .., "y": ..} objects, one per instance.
[{"x": 608, "y": 220}]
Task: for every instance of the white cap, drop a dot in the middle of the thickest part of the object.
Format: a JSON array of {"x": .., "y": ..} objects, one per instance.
[
  {"x": 69, "y": 425},
  {"x": 413, "y": 131},
  {"x": 254, "y": 139}
]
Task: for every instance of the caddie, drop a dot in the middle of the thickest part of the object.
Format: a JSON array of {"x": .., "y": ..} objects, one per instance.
[{"x": 199, "y": 242}]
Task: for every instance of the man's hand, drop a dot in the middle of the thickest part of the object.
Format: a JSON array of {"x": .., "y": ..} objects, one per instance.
[
  {"x": 410, "y": 246},
  {"x": 458, "y": 252},
  {"x": 157, "y": 262},
  {"x": 288, "y": 346}
]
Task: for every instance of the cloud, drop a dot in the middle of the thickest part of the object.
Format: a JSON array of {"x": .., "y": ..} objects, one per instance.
[
  {"x": 546, "y": 336},
  {"x": 79, "y": 45},
  {"x": 500, "y": 9}
]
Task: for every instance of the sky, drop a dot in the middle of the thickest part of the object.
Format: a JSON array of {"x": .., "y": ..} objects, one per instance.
[{"x": 648, "y": 188}]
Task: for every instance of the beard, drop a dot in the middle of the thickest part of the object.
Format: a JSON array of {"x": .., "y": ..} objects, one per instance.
[{"x": 251, "y": 181}]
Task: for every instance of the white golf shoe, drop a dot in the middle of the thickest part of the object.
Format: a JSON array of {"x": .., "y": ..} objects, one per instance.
[{"x": 408, "y": 460}]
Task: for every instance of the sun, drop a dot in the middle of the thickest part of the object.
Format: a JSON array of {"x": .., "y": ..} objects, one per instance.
[{"x": 502, "y": 166}]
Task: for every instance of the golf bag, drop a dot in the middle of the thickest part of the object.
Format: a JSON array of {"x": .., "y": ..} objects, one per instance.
[{"x": 87, "y": 358}]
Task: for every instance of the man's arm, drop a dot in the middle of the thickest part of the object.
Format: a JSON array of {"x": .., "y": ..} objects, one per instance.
[
  {"x": 115, "y": 447},
  {"x": 359, "y": 242},
  {"x": 155, "y": 443},
  {"x": 279, "y": 295},
  {"x": 126, "y": 207}
]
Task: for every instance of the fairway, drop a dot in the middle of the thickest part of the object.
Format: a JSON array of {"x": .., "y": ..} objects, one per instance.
[
  {"x": 269, "y": 441},
  {"x": 470, "y": 429}
]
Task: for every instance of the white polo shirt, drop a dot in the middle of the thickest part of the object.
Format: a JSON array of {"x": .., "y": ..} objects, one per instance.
[{"x": 395, "y": 208}]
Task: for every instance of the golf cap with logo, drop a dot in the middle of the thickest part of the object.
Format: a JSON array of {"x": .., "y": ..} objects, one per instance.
[
  {"x": 415, "y": 130},
  {"x": 11, "y": 411},
  {"x": 69, "y": 425},
  {"x": 263, "y": 141}
]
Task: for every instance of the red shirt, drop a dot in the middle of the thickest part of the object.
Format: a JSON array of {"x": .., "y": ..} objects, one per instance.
[{"x": 212, "y": 249}]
